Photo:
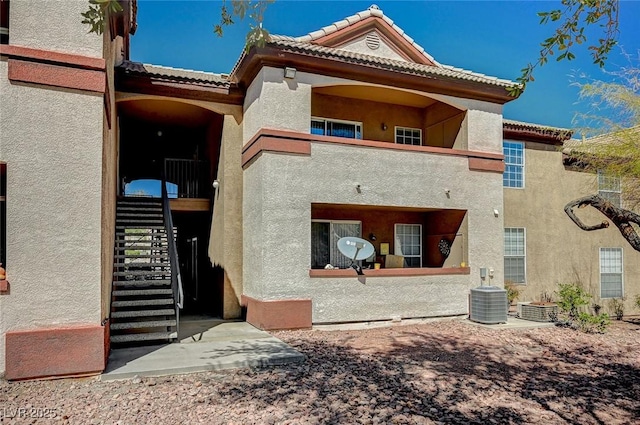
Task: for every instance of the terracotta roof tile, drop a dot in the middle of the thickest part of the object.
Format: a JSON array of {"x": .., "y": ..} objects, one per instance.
[
  {"x": 185, "y": 75},
  {"x": 292, "y": 44},
  {"x": 353, "y": 19}
]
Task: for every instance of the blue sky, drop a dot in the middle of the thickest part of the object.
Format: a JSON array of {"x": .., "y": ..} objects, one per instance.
[{"x": 495, "y": 38}]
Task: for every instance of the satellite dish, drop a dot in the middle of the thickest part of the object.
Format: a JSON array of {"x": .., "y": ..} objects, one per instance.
[{"x": 355, "y": 249}]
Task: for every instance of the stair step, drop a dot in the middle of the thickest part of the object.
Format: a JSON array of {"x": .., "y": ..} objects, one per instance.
[
  {"x": 138, "y": 247},
  {"x": 146, "y": 282},
  {"x": 134, "y": 265},
  {"x": 139, "y": 207},
  {"x": 150, "y": 256},
  {"x": 142, "y": 313},
  {"x": 122, "y": 242},
  {"x": 143, "y": 337},
  {"x": 143, "y": 273},
  {"x": 133, "y": 237},
  {"x": 139, "y": 220},
  {"x": 134, "y": 213},
  {"x": 139, "y": 292},
  {"x": 138, "y": 226},
  {"x": 139, "y": 325},
  {"x": 142, "y": 303}
]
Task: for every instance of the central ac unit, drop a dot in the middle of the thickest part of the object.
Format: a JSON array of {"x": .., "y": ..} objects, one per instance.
[{"x": 488, "y": 305}]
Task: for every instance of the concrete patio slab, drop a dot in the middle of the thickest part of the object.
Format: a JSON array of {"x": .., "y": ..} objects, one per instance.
[
  {"x": 205, "y": 346},
  {"x": 513, "y": 323}
]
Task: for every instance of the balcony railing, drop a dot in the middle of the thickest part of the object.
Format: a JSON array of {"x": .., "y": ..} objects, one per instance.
[{"x": 190, "y": 177}]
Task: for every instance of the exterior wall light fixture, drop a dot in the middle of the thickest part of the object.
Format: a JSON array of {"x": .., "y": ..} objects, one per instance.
[
  {"x": 384, "y": 127},
  {"x": 289, "y": 73},
  {"x": 216, "y": 184}
]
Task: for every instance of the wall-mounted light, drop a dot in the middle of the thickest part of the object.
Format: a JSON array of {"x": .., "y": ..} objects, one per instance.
[
  {"x": 383, "y": 127},
  {"x": 159, "y": 133},
  {"x": 358, "y": 188},
  {"x": 372, "y": 237},
  {"x": 289, "y": 73},
  {"x": 496, "y": 213},
  {"x": 216, "y": 184}
]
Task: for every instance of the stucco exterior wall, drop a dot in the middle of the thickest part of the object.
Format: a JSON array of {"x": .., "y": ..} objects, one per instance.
[
  {"x": 275, "y": 102},
  {"x": 279, "y": 191},
  {"x": 56, "y": 26},
  {"x": 52, "y": 143},
  {"x": 359, "y": 45},
  {"x": 225, "y": 243},
  {"x": 557, "y": 251}
]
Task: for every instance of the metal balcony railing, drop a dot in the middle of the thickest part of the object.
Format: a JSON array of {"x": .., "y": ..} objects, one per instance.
[{"x": 190, "y": 177}]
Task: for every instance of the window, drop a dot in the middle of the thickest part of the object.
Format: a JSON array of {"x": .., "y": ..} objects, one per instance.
[
  {"x": 513, "y": 164},
  {"x": 324, "y": 242},
  {"x": 609, "y": 188},
  {"x": 409, "y": 244},
  {"x": 611, "y": 273},
  {"x": 4, "y": 21},
  {"x": 409, "y": 136},
  {"x": 514, "y": 255},
  {"x": 326, "y": 127}
]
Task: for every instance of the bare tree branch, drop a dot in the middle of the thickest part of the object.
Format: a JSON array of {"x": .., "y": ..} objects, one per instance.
[{"x": 622, "y": 218}]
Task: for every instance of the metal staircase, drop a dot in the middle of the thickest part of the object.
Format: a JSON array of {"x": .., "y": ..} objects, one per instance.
[{"x": 144, "y": 294}]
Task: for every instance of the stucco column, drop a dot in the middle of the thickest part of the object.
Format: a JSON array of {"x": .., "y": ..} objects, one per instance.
[{"x": 225, "y": 242}]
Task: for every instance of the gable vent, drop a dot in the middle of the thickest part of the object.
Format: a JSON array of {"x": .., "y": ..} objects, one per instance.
[{"x": 372, "y": 40}]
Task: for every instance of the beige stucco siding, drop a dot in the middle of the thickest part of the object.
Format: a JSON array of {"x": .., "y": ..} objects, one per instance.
[
  {"x": 225, "y": 243},
  {"x": 557, "y": 251},
  {"x": 275, "y": 102},
  {"x": 55, "y": 26},
  {"x": 52, "y": 144},
  {"x": 382, "y": 49},
  {"x": 279, "y": 191}
]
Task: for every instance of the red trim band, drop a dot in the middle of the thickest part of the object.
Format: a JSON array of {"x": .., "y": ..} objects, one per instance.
[
  {"x": 278, "y": 314},
  {"x": 299, "y": 143},
  {"x": 57, "y": 76},
  {"x": 66, "y": 351},
  {"x": 481, "y": 164},
  {"x": 39, "y": 55},
  {"x": 391, "y": 272}
]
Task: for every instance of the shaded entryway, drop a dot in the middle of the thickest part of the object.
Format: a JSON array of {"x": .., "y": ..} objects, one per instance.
[{"x": 179, "y": 143}]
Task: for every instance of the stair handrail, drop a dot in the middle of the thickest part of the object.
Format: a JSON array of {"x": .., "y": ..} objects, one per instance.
[{"x": 176, "y": 279}]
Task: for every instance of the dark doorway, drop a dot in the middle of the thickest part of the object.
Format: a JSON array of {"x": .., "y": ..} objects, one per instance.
[{"x": 202, "y": 292}]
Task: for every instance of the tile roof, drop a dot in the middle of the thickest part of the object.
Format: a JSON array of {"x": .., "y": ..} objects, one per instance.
[
  {"x": 512, "y": 124},
  {"x": 519, "y": 130},
  {"x": 373, "y": 10},
  {"x": 176, "y": 74},
  {"x": 290, "y": 44},
  {"x": 305, "y": 44}
]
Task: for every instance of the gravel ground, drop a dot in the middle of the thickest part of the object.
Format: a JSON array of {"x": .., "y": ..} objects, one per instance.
[{"x": 445, "y": 372}]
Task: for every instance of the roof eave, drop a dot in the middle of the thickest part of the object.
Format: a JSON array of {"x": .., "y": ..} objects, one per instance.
[{"x": 256, "y": 58}]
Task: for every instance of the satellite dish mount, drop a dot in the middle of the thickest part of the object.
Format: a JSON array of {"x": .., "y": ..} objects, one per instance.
[{"x": 356, "y": 249}]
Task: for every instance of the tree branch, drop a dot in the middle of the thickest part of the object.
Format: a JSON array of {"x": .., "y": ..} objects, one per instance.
[{"x": 622, "y": 218}]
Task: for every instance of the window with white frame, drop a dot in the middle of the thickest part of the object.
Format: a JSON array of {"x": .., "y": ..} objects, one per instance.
[
  {"x": 611, "y": 273},
  {"x": 408, "y": 136},
  {"x": 324, "y": 242},
  {"x": 609, "y": 188},
  {"x": 515, "y": 254},
  {"x": 409, "y": 243},
  {"x": 513, "y": 164},
  {"x": 337, "y": 128}
]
